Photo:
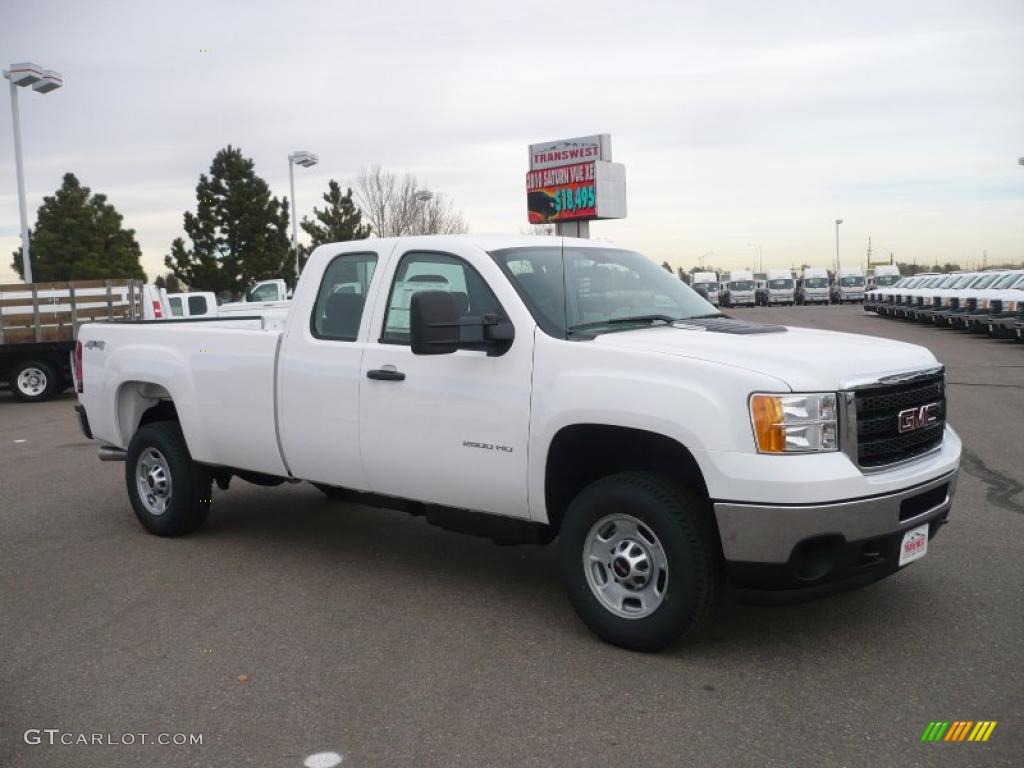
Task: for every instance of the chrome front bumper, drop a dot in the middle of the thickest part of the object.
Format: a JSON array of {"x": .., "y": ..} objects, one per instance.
[{"x": 769, "y": 533}]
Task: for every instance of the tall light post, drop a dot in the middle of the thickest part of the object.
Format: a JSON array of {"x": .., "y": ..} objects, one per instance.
[
  {"x": 422, "y": 197},
  {"x": 306, "y": 160},
  {"x": 42, "y": 81},
  {"x": 838, "y": 222}
]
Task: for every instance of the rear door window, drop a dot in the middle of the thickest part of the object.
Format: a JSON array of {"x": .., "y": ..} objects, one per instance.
[{"x": 342, "y": 298}]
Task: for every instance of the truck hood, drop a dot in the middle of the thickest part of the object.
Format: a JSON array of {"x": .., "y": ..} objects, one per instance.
[{"x": 806, "y": 360}]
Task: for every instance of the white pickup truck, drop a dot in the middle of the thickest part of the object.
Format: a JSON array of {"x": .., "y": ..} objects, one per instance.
[{"x": 524, "y": 388}]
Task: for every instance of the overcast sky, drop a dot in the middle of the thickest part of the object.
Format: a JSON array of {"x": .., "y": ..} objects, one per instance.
[{"x": 738, "y": 122}]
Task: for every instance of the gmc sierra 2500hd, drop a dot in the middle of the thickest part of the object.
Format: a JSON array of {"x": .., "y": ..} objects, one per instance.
[{"x": 524, "y": 388}]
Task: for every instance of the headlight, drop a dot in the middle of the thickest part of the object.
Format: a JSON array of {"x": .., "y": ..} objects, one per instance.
[
  {"x": 985, "y": 303},
  {"x": 1010, "y": 306},
  {"x": 804, "y": 423}
]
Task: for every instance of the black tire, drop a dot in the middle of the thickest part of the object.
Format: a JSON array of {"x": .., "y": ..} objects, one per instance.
[
  {"x": 681, "y": 522},
  {"x": 40, "y": 382},
  {"x": 190, "y": 485}
]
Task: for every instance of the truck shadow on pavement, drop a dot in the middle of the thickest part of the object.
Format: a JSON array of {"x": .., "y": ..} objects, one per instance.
[{"x": 298, "y": 528}]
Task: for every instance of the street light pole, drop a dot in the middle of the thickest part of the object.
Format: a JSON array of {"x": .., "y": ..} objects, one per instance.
[
  {"x": 306, "y": 160},
  {"x": 838, "y": 222},
  {"x": 295, "y": 231},
  {"x": 42, "y": 81},
  {"x": 19, "y": 165}
]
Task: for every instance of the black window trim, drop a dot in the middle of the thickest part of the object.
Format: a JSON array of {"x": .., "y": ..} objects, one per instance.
[
  {"x": 323, "y": 278},
  {"x": 382, "y": 339}
]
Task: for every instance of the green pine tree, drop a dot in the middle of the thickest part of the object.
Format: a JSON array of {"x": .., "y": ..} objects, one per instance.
[
  {"x": 78, "y": 236},
  {"x": 340, "y": 221},
  {"x": 239, "y": 231}
]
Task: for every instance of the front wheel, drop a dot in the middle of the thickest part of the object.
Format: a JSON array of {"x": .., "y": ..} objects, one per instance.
[
  {"x": 169, "y": 492},
  {"x": 640, "y": 560}
]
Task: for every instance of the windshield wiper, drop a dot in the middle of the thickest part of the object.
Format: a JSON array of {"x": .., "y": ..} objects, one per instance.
[
  {"x": 618, "y": 320},
  {"x": 700, "y": 317}
]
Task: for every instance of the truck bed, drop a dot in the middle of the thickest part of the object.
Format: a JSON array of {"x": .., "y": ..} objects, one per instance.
[{"x": 221, "y": 374}]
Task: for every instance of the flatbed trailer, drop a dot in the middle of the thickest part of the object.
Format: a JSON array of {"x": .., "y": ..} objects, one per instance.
[{"x": 39, "y": 323}]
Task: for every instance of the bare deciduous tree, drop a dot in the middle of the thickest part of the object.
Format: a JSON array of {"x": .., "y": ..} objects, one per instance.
[{"x": 396, "y": 205}]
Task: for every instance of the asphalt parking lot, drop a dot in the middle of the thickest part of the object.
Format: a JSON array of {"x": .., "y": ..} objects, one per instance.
[{"x": 293, "y": 625}]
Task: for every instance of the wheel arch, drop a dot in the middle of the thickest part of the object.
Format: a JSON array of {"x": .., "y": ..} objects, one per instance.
[
  {"x": 580, "y": 454},
  {"x": 142, "y": 402}
]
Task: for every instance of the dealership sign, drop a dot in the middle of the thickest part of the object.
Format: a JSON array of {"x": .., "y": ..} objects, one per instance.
[
  {"x": 551, "y": 154},
  {"x": 575, "y": 180}
]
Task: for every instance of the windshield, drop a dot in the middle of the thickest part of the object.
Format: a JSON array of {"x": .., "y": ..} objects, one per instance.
[
  {"x": 816, "y": 282},
  {"x": 600, "y": 288},
  {"x": 780, "y": 283},
  {"x": 851, "y": 281},
  {"x": 884, "y": 280},
  {"x": 741, "y": 285},
  {"x": 706, "y": 285},
  {"x": 1007, "y": 281},
  {"x": 986, "y": 282}
]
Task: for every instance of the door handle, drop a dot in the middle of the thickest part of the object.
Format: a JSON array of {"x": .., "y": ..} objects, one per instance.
[{"x": 385, "y": 374}]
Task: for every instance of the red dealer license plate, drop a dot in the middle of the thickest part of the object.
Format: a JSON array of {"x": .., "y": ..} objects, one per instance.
[{"x": 915, "y": 544}]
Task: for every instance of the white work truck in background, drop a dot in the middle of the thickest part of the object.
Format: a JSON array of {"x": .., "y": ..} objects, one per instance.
[
  {"x": 814, "y": 286},
  {"x": 781, "y": 287},
  {"x": 708, "y": 283},
  {"x": 884, "y": 276},
  {"x": 740, "y": 291},
  {"x": 527, "y": 388},
  {"x": 849, "y": 285}
]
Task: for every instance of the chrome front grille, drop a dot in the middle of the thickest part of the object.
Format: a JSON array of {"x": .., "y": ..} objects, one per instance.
[{"x": 870, "y": 428}]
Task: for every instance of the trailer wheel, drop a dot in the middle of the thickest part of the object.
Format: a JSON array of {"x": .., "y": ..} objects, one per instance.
[
  {"x": 640, "y": 560},
  {"x": 169, "y": 492},
  {"x": 34, "y": 381}
]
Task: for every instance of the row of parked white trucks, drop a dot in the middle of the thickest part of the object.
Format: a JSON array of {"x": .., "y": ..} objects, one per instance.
[
  {"x": 990, "y": 302},
  {"x": 813, "y": 285},
  {"x": 532, "y": 388}
]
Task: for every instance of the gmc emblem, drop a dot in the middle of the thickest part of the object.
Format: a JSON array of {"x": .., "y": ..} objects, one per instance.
[{"x": 918, "y": 418}]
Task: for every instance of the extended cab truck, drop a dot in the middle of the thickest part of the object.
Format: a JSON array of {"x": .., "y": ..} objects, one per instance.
[
  {"x": 1006, "y": 310},
  {"x": 814, "y": 288},
  {"x": 525, "y": 388},
  {"x": 781, "y": 287},
  {"x": 708, "y": 282},
  {"x": 959, "y": 304},
  {"x": 979, "y": 305}
]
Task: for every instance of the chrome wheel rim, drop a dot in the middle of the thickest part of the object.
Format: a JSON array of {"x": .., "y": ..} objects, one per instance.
[
  {"x": 626, "y": 566},
  {"x": 32, "y": 381},
  {"x": 153, "y": 480}
]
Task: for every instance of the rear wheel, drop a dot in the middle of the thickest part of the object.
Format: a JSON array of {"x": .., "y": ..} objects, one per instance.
[
  {"x": 170, "y": 493},
  {"x": 34, "y": 381},
  {"x": 640, "y": 560}
]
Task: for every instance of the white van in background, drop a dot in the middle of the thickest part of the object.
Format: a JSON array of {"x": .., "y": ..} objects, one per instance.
[
  {"x": 781, "y": 287},
  {"x": 740, "y": 290},
  {"x": 708, "y": 281},
  {"x": 884, "y": 276},
  {"x": 849, "y": 285},
  {"x": 814, "y": 287}
]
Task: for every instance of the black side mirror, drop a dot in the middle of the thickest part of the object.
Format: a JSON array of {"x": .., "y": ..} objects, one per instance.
[{"x": 433, "y": 323}]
